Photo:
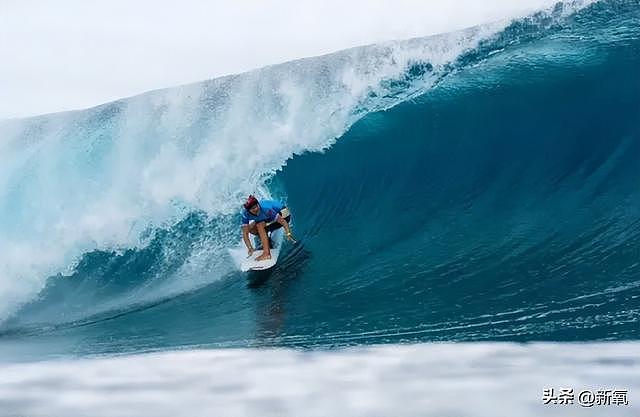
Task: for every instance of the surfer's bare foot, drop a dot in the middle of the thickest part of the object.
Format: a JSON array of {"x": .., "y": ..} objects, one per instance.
[{"x": 263, "y": 257}]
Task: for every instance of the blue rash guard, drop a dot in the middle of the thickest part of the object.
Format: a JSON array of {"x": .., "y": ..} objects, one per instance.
[{"x": 269, "y": 209}]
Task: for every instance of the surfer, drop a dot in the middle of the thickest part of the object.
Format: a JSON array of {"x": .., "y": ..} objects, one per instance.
[{"x": 260, "y": 218}]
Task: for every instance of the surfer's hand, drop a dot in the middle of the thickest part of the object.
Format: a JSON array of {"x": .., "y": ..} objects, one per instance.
[
  {"x": 250, "y": 251},
  {"x": 290, "y": 237}
]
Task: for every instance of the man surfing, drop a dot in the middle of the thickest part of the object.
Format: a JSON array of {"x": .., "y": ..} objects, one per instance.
[{"x": 260, "y": 218}]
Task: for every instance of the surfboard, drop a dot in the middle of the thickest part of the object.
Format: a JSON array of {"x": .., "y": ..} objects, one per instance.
[{"x": 250, "y": 263}]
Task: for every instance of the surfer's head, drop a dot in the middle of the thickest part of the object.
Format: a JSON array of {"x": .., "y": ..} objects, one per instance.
[{"x": 252, "y": 204}]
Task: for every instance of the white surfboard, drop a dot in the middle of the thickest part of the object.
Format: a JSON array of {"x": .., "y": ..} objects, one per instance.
[{"x": 251, "y": 264}]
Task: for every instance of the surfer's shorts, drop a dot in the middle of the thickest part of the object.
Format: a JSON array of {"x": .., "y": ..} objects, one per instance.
[{"x": 274, "y": 225}]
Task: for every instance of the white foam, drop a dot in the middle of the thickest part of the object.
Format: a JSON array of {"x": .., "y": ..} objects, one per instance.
[{"x": 461, "y": 379}]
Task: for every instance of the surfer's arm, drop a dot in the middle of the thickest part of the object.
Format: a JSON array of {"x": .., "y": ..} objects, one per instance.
[
  {"x": 245, "y": 237},
  {"x": 285, "y": 224}
]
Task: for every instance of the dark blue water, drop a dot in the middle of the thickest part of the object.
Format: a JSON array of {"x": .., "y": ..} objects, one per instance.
[{"x": 501, "y": 204}]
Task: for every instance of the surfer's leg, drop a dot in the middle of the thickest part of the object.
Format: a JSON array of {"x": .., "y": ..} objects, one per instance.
[
  {"x": 253, "y": 230},
  {"x": 266, "y": 250},
  {"x": 274, "y": 225}
]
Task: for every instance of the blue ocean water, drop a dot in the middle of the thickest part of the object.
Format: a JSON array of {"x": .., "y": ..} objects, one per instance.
[{"x": 481, "y": 185}]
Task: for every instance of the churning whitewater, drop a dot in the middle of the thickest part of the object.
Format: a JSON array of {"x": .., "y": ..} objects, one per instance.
[{"x": 475, "y": 185}]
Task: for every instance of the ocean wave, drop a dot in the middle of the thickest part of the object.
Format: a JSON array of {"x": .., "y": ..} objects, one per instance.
[{"x": 469, "y": 172}]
